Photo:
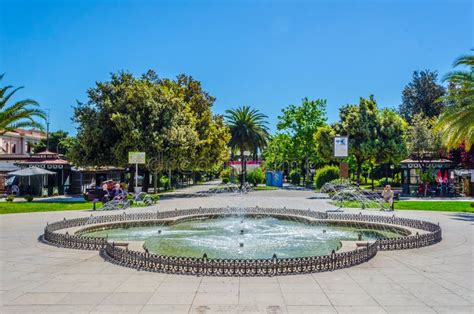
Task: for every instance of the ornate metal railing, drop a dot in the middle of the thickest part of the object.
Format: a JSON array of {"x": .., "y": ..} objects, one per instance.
[{"x": 239, "y": 267}]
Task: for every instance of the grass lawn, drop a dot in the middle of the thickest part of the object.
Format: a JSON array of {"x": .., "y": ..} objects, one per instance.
[
  {"x": 265, "y": 188},
  {"x": 30, "y": 207},
  {"x": 448, "y": 206}
]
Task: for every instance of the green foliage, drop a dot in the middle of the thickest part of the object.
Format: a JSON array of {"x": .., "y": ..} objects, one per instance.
[
  {"x": 248, "y": 129},
  {"x": 323, "y": 140},
  {"x": 295, "y": 177},
  {"x": 10, "y": 198},
  {"x": 153, "y": 115},
  {"x": 360, "y": 123},
  {"x": 21, "y": 114},
  {"x": 421, "y": 95},
  {"x": 155, "y": 197},
  {"x": 300, "y": 123},
  {"x": 324, "y": 175},
  {"x": 256, "y": 176},
  {"x": 456, "y": 122},
  {"x": 279, "y": 151},
  {"x": 29, "y": 198},
  {"x": 165, "y": 182},
  {"x": 225, "y": 175},
  {"x": 424, "y": 142},
  {"x": 445, "y": 206},
  {"x": 392, "y": 135},
  {"x": 59, "y": 142},
  {"x": 427, "y": 175}
]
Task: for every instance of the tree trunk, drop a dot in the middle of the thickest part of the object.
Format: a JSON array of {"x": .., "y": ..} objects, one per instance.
[
  {"x": 372, "y": 177},
  {"x": 131, "y": 181},
  {"x": 243, "y": 165},
  {"x": 146, "y": 181},
  {"x": 359, "y": 169}
]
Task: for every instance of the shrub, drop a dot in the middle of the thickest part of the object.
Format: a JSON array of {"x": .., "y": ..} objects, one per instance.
[
  {"x": 165, "y": 182},
  {"x": 225, "y": 175},
  {"x": 472, "y": 204},
  {"x": 295, "y": 177},
  {"x": 29, "y": 198},
  {"x": 155, "y": 197},
  {"x": 324, "y": 175},
  {"x": 198, "y": 177},
  {"x": 10, "y": 198},
  {"x": 256, "y": 176}
]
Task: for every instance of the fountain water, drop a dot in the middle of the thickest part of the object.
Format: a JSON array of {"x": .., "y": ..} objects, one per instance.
[{"x": 343, "y": 190}]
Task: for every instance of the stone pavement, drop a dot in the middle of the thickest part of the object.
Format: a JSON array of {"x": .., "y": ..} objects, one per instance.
[{"x": 37, "y": 278}]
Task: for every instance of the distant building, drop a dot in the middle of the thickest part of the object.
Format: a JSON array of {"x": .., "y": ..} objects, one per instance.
[{"x": 15, "y": 147}]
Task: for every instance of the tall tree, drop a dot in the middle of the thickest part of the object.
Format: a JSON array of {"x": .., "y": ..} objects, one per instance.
[
  {"x": 133, "y": 114},
  {"x": 421, "y": 95},
  {"x": 392, "y": 140},
  {"x": 213, "y": 136},
  {"x": 392, "y": 136},
  {"x": 248, "y": 129},
  {"x": 324, "y": 139},
  {"x": 360, "y": 123},
  {"x": 424, "y": 143},
  {"x": 21, "y": 114},
  {"x": 457, "y": 122},
  {"x": 300, "y": 123},
  {"x": 279, "y": 152}
]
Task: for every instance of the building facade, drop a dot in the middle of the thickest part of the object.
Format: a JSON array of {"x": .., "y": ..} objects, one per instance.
[{"x": 15, "y": 147}]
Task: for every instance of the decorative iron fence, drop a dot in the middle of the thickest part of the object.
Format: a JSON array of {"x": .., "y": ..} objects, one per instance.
[{"x": 239, "y": 267}]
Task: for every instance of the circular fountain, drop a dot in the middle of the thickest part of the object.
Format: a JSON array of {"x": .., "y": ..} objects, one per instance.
[
  {"x": 212, "y": 241},
  {"x": 219, "y": 237}
]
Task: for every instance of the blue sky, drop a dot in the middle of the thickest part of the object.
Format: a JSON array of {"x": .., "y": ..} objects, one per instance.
[{"x": 267, "y": 54}]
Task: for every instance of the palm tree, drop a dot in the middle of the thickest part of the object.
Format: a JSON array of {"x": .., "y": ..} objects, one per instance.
[
  {"x": 20, "y": 114},
  {"x": 457, "y": 121},
  {"x": 248, "y": 129}
]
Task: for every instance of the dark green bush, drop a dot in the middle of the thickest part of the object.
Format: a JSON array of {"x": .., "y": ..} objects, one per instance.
[
  {"x": 29, "y": 198},
  {"x": 325, "y": 174},
  {"x": 10, "y": 198},
  {"x": 295, "y": 177}
]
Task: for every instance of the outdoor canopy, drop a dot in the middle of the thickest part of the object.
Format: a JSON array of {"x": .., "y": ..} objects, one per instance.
[{"x": 28, "y": 172}]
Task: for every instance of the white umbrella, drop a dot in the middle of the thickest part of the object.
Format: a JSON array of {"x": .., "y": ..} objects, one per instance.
[{"x": 28, "y": 172}]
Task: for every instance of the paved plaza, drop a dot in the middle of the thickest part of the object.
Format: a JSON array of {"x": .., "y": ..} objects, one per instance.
[{"x": 37, "y": 278}]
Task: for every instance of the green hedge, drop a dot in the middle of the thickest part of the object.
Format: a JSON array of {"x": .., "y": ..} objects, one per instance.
[{"x": 325, "y": 174}]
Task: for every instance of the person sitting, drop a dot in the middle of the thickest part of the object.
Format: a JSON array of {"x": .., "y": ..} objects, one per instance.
[
  {"x": 117, "y": 192},
  {"x": 105, "y": 195},
  {"x": 387, "y": 197},
  {"x": 15, "y": 190}
]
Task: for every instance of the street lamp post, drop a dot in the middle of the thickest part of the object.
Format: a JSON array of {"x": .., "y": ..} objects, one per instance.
[{"x": 244, "y": 167}]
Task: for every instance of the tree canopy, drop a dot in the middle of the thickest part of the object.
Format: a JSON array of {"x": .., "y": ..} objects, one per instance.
[
  {"x": 457, "y": 122},
  {"x": 152, "y": 115},
  {"x": 421, "y": 96},
  {"x": 300, "y": 123},
  {"x": 59, "y": 142},
  {"x": 20, "y": 114}
]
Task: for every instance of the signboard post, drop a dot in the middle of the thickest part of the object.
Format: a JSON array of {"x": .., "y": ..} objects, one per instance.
[
  {"x": 136, "y": 158},
  {"x": 341, "y": 150}
]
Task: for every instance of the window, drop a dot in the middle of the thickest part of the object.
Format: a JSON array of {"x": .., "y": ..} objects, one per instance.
[{"x": 14, "y": 149}]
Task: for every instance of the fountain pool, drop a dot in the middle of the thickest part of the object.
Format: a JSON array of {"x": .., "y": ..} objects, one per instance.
[{"x": 242, "y": 237}]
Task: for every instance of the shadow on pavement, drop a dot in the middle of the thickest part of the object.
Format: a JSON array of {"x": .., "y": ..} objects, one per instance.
[{"x": 463, "y": 217}]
